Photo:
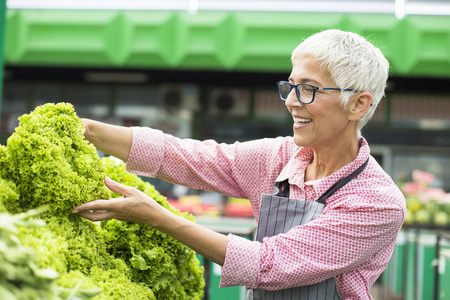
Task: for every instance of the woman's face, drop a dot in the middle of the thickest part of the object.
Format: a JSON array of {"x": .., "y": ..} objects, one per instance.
[{"x": 322, "y": 123}]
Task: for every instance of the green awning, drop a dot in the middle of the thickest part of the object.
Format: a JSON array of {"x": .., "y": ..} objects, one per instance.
[
  {"x": 211, "y": 40},
  {"x": 2, "y": 34}
]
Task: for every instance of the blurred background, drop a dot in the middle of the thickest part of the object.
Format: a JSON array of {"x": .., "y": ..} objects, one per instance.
[{"x": 208, "y": 69}]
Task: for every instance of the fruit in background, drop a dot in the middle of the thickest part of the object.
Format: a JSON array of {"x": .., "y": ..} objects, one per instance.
[
  {"x": 409, "y": 217},
  {"x": 422, "y": 217},
  {"x": 445, "y": 206},
  {"x": 441, "y": 218},
  {"x": 426, "y": 205},
  {"x": 413, "y": 203},
  {"x": 431, "y": 206}
]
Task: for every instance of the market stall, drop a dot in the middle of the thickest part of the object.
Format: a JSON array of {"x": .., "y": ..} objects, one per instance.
[{"x": 212, "y": 75}]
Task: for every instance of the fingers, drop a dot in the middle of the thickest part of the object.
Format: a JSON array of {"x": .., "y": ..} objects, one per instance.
[
  {"x": 97, "y": 210},
  {"x": 98, "y": 215},
  {"x": 124, "y": 208},
  {"x": 94, "y": 205},
  {"x": 85, "y": 122},
  {"x": 118, "y": 187}
]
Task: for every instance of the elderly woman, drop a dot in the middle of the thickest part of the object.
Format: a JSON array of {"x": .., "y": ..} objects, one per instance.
[{"x": 328, "y": 215}]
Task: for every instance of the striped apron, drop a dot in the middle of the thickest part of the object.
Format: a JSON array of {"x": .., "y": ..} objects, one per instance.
[{"x": 278, "y": 214}]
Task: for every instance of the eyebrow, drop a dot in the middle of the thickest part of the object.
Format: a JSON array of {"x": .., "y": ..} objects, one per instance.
[{"x": 305, "y": 80}]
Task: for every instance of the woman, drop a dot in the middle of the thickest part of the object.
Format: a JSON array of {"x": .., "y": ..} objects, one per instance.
[{"x": 328, "y": 215}]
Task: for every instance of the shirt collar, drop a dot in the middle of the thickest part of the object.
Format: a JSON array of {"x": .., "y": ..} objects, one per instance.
[
  {"x": 295, "y": 168},
  {"x": 296, "y": 165}
]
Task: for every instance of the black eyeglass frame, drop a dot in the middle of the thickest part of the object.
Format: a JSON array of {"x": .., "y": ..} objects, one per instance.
[{"x": 315, "y": 88}]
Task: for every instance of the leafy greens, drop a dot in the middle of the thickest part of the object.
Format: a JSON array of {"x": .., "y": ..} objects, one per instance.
[{"x": 48, "y": 163}]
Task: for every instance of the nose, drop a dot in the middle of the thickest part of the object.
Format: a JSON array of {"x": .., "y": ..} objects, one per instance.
[{"x": 292, "y": 100}]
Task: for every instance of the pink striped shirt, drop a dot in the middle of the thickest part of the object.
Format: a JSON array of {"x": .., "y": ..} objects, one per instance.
[{"x": 352, "y": 240}]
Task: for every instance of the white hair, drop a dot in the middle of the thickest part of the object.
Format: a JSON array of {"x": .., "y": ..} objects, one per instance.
[{"x": 353, "y": 62}]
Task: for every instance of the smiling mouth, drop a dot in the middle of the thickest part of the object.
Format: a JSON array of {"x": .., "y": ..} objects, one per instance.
[{"x": 302, "y": 120}]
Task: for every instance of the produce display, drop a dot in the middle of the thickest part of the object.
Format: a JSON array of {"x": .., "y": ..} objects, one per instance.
[
  {"x": 48, "y": 164},
  {"x": 425, "y": 205},
  {"x": 20, "y": 276}
]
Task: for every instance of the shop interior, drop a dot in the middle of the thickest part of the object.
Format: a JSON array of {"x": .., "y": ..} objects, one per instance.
[{"x": 409, "y": 134}]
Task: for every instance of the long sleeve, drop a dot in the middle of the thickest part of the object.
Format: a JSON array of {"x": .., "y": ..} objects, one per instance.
[{"x": 243, "y": 170}]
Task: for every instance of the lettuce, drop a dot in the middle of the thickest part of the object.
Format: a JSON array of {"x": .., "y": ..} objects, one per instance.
[
  {"x": 51, "y": 163},
  {"x": 22, "y": 273},
  {"x": 48, "y": 163},
  {"x": 8, "y": 189},
  {"x": 8, "y": 194},
  {"x": 170, "y": 268}
]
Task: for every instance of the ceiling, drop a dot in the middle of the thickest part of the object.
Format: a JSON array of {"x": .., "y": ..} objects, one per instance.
[{"x": 400, "y": 8}]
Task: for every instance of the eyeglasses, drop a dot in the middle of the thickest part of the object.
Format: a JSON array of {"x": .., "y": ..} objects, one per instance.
[{"x": 305, "y": 92}]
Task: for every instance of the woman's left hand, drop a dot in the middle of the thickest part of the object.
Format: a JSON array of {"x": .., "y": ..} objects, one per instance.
[
  {"x": 138, "y": 207},
  {"x": 134, "y": 206}
]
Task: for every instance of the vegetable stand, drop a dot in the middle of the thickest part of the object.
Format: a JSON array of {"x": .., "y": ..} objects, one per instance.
[{"x": 57, "y": 169}]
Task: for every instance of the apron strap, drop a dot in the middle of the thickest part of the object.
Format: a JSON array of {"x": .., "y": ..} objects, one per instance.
[
  {"x": 341, "y": 183},
  {"x": 282, "y": 187}
]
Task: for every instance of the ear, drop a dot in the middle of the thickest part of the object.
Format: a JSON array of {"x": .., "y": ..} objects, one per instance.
[{"x": 359, "y": 104}]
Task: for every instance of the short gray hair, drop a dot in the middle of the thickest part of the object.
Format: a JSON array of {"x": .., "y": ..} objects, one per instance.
[{"x": 352, "y": 61}]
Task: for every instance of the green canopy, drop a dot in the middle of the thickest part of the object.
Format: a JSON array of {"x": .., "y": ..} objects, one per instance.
[{"x": 213, "y": 40}]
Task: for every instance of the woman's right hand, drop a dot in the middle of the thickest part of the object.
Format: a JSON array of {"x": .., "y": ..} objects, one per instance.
[
  {"x": 86, "y": 123},
  {"x": 111, "y": 139}
]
